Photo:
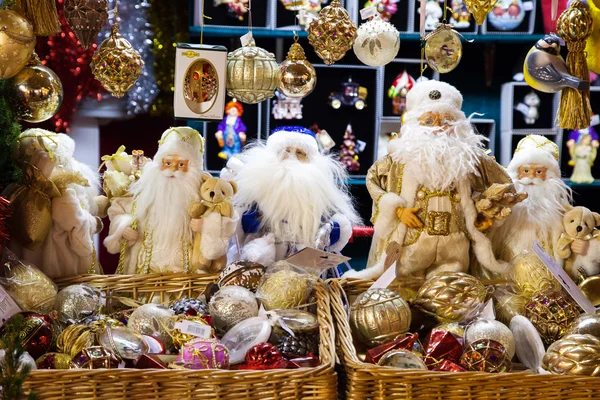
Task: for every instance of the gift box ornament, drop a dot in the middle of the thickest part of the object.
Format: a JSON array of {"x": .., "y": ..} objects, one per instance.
[
  {"x": 204, "y": 354},
  {"x": 200, "y": 77}
]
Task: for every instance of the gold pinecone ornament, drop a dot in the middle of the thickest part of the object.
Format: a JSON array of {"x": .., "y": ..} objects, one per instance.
[
  {"x": 116, "y": 64},
  {"x": 479, "y": 8},
  {"x": 551, "y": 314},
  {"x": 333, "y": 33},
  {"x": 574, "y": 355}
]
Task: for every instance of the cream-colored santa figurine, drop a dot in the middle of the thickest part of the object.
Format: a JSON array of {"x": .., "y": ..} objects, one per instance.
[
  {"x": 151, "y": 227},
  {"x": 56, "y": 206},
  {"x": 436, "y": 191},
  {"x": 534, "y": 170}
]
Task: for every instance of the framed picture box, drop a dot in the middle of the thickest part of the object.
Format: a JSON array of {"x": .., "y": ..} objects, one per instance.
[{"x": 511, "y": 17}]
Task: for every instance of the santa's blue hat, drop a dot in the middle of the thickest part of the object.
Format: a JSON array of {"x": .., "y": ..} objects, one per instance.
[{"x": 293, "y": 136}]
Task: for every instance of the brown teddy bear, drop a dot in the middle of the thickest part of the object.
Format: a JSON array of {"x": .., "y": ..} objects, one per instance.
[
  {"x": 579, "y": 245},
  {"x": 217, "y": 218}
]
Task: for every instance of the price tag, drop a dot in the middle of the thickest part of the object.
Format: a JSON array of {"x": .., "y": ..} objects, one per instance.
[
  {"x": 360, "y": 146},
  {"x": 368, "y": 12},
  {"x": 8, "y": 307},
  {"x": 595, "y": 120},
  {"x": 246, "y": 39},
  {"x": 528, "y": 5},
  {"x": 313, "y": 258},
  {"x": 194, "y": 329},
  {"x": 386, "y": 278}
]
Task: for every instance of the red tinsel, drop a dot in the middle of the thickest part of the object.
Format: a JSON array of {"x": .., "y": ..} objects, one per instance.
[
  {"x": 5, "y": 214},
  {"x": 64, "y": 55}
]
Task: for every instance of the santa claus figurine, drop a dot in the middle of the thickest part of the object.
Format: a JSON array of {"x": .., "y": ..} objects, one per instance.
[
  {"x": 436, "y": 191},
  {"x": 291, "y": 197},
  {"x": 151, "y": 227}
]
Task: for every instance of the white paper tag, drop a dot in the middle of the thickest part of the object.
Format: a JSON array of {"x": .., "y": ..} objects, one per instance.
[
  {"x": 564, "y": 279},
  {"x": 360, "y": 146},
  {"x": 325, "y": 140},
  {"x": 246, "y": 39},
  {"x": 8, "y": 307},
  {"x": 313, "y": 258},
  {"x": 528, "y": 5},
  {"x": 386, "y": 278},
  {"x": 524, "y": 108},
  {"x": 595, "y": 120},
  {"x": 193, "y": 328},
  {"x": 368, "y": 12}
]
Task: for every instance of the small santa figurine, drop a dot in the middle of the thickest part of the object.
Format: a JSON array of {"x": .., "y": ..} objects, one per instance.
[
  {"x": 291, "y": 196},
  {"x": 231, "y": 132},
  {"x": 151, "y": 227}
]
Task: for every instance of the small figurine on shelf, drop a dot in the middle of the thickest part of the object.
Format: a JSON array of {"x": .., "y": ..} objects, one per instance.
[
  {"x": 385, "y": 8},
  {"x": 352, "y": 95},
  {"x": 433, "y": 14},
  {"x": 529, "y": 108},
  {"x": 324, "y": 140},
  {"x": 583, "y": 146},
  {"x": 461, "y": 18},
  {"x": 349, "y": 151},
  {"x": 294, "y": 5},
  {"x": 397, "y": 92},
  {"x": 236, "y": 8},
  {"x": 231, "y": 132},
  {"x": 286, "y": 108}
]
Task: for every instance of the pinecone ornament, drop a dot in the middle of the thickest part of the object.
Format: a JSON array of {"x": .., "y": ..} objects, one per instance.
[
  {"x": 300, "y": 345},
  {"x": 188, "y": 306},
  {"x": 574, "y": 355}
]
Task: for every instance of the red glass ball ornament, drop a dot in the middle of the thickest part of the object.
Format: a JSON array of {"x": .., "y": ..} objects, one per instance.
[
  {"x": 36, "y": 333},
  {"x": 264, "y": 356}
]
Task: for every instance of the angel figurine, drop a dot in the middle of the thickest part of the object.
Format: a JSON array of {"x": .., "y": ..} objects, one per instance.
[{"x": 583, "y": 146}]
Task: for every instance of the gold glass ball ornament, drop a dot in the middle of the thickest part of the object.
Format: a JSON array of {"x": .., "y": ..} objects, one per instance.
[
  {"x": 298, "y": 76},
  {"x": 551, "y": 314},
  {"x": 116, "y": 64},
  {"x": 377, "y": 316},
  {"x": 37, "y": 92},
  {"x": 252, "y": 74},
  {"x": 531, "y": 275},
  {"x": 377, "y": 42},
  {"x": 231, "y": 305},
  {"x": 443, "y": 49},
  {"x": 491, "y": 329},
  {"x": 451, "y": 297},
  {"x": 574, "y": 355},
  {"x": 479, "y": 8},
  {"x": 591, "y": 289},
  {"x": 149, "y": 319},
  {"x": 333, "y": 33},
  {"x": 285, "y": 288},
  {"x": 585, "y": 324},
  {"x": 17, "y": 43}
]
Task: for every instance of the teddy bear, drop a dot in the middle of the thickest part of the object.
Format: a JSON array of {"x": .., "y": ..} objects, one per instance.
[
  {"x": 579, "y": 245},
  {"x": 218, "y": 223}
]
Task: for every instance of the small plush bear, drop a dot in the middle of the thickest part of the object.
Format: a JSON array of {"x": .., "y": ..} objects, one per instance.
[
  {"x": 218, "y": 221},
  {"x": 579, "y": 245}
]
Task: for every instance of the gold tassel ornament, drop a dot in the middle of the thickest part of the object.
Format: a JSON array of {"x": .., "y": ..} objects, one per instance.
[
  {"x": 574, "y": 26},
  {"x": 42, "y": 14}
]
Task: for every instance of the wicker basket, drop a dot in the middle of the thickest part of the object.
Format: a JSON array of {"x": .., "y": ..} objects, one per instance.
[
  {"x": 369, "y": 381},
  {"x": 133, "y": 384}
]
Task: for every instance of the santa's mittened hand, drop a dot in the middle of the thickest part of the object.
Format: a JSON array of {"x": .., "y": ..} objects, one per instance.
[
  {"x": 580, "y": 246},
  {"x": 196, "y": 225},
  {"x": 130, "y": 234}
]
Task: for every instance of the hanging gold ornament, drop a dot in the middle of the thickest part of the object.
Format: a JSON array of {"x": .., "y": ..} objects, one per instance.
[
  {"x": 443, "y": 49},
  {"x": 551, "y": 314},
  {"x": 574, "y": 355},
  {"x": 86, "y": 18},
  {"x": 252, "y": 74},
  {"x": 479, "y": 8},
  {"x": 298, "y": 76},
  {"x": 377, "y": 42},
  {"x": 17, "y": 42},
  {"x": 37, "y": 92},
  {"x": 116, "y": 64},
  {"x": 333, "y": 33},
  {"x": 574, "y": 26},
  {"x": 532, "y": 277}
]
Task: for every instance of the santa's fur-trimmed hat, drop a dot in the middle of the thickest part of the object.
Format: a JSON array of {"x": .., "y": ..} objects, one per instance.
[
  {"x": 535, "y": 149},
  {"x": 293, "y": 136},
  {"x": 433, "y": 96},
  {"x": 184, "y": 142},
  {"x": 55, "y": 144}
]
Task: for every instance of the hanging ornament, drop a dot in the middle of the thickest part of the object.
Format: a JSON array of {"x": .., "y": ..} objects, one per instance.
[
  {"x": 480, "y": 8},
  {"x": 37, "y": 92},
  {"x": 116, "y": 64},
  {"x": 574, "y": 355},
  {"x": 86, "y": 18},
  {"x": 17, "y": 42},
  {"x": 574, "y": 26},
  {"x": 252, "y": 74},
  {"x": 298, "y": 76},
  {"x": 333, "y": 33},
  {"x": 443, "y": 49},
  {"x": 42, "y": 14},
  {"x": 532, "y": 277},
  {"x": 377, "y": 42}
]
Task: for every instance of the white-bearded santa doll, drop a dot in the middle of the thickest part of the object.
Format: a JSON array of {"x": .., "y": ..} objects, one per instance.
[
  {"x": 151, "y": 227},
  {"x": 71, "y": 198},
  {"x": 291, "y": 196},
  {"x": 423, "y": 191}
]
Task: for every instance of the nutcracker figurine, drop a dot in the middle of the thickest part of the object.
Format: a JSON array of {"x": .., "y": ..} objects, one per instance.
[{"x": 231, "y": 132}]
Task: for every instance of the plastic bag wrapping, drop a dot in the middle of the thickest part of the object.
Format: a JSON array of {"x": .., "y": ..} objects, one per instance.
[
  {"x": 530, "y": 348},
  {"x": 31, "y": 289},
  {"x": 285, "y": 285}
]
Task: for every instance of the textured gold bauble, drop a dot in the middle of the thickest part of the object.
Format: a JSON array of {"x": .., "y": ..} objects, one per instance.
[
  {"x": 29, "y": 287},
  {"x": 574, "y": 355},
  {"x": 551, "y": 314},
  {"x": 491, "y": 329},
  {"x": 575, "y": 23},
  {"x": 333, "y": 33},
  {"x": 246, "y": 274},
  {"x": 451, "y": 296},
  {"x": 231, "y": 305},
  {"x": 443, "y": 49},
  {"x": 86, "y": 18},
  {"x": 377, "y": 42},
  {"x": 38, "y": 93},
  {"x": 252, "y": 74},
  {"x": 116, "y": 64},
  {"x": 149, "y": 319},
  {"x": 298, "y": 76},
  {"x": 379, "y": 315},
  {"x": 532, "y": 277},
  {"x": 283, "y": 289},
  {"x": 17, "y": 43},
  {"x": 486, "y": 355},
  {"x": 479, "y": 8},
  {"x": 585, "y": 324}
]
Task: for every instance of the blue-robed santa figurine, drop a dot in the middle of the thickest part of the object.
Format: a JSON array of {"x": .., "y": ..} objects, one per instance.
[{"x": 290, "y": 197}]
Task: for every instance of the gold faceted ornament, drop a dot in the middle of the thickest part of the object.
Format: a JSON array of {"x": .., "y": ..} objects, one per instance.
[
  {"x": 17, "y": 43},
  {"x": 479, "y": 8},
  {"x": 586, "y": 324},
  {"x": 378, "y": 316},
  {"x": 451, "y": 297},
  {"x": 532, "y": 277},
  {"x": 86, "y": 18},
  {"x": 443, "y": 49},
  {"x": 284, "y": 289},
  {"x": 252, "y": 74},
  {"x": 574, "y": 355},
  {"x": 298, "y": 76},
  {"x": 551, "y": 314},
  {"x": 116, "y": 64},
  {"x": 486, "y": 355},
  {"x": 333, "y": 33}
]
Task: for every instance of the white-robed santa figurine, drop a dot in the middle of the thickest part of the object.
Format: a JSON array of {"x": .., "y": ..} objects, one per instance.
[
  {"x": 151, "y": 227},
  {"x": 291, "y": 196},
  {"x": 436, "y": 190}
]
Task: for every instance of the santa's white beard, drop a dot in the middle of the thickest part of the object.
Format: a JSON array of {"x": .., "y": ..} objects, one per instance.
[
  {"x": 162, "y": 203},
  {"x": 294, "y": 198},
  {"x": 439, "y": 159}
]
